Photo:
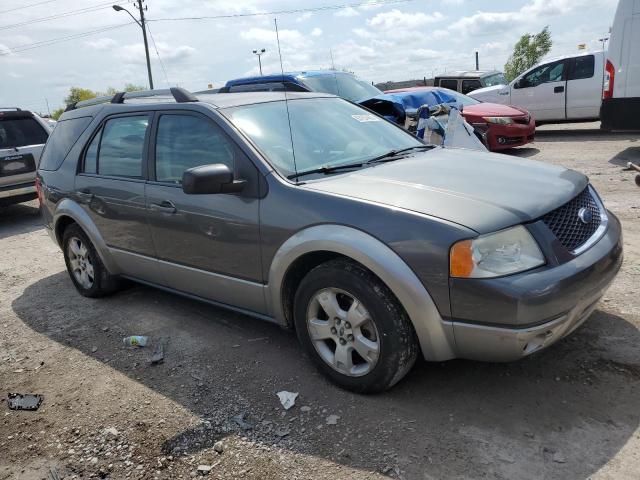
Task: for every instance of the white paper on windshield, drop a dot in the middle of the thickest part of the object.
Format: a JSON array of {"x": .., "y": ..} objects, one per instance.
[{"x": 366, "y": 118}]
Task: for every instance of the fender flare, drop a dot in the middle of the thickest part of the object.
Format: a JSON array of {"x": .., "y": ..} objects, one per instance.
[
  {"x": 434, "y": 334},
  {"x": 70, "y": 208}
]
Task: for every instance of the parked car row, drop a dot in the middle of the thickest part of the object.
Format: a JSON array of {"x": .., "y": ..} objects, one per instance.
[{"x": 309, "y": 211}]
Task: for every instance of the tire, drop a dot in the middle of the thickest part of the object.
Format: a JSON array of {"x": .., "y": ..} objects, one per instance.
[
  {"x": 350, "y": 293},
  {"x": 85, "y": 259}
]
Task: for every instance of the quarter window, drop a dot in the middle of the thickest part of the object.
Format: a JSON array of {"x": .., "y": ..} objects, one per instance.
[
  {"x": 470, "y": 85},
  {"x": 450, "y": 84},
  {"x": 118, "y": 149},
  {"x": 187, "y": 141},
  {"x": 583, "y": 67}
]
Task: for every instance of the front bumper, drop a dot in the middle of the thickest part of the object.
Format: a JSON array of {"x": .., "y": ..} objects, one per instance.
[
  {"x": 507, "y": 318},
  {"x": 500, "y": 137}
]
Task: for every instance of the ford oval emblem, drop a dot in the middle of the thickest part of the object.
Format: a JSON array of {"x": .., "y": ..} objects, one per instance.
[{"x": 585, "y": 215}]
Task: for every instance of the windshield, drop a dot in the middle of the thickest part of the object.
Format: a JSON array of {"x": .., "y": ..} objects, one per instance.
[
  {"x": 343, "y": 85},
  {"x": 326, "y": 132},
  {"x": 495, "y": 79}
]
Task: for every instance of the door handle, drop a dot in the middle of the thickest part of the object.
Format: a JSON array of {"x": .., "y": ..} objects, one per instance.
[
  {"x": 85, "y": 195},
  {"x": 165, "y": 207},
  {"x": 558, "y": 90}
]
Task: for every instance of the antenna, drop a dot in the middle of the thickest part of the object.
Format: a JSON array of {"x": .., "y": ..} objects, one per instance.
[{"x": 286, "y": 101}]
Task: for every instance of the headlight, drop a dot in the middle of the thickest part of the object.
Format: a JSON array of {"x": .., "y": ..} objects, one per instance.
[
  {"x": 496, "y": 254},
  {"x": 499, "y": 120}
]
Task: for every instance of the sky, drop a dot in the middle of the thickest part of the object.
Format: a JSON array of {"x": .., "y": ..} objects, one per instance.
[{"x": 379, "y": 40}]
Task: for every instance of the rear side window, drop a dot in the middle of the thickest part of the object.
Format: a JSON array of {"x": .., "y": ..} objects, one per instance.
[
  {"x": 450, "y": 84},
  {"x": 583, "y": 67},
  {"x": 61, "y": 141},
  {"x": 470, "y": 85},
  {"x": 118, "y": 148},
  {"x": 20, "y": 132},
  {"x": 187, "y": 141},
  {"x": 258, "y": 87}
]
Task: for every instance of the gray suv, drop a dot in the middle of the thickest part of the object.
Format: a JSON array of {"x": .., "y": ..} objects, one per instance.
[{"x": 313, "y": 213}]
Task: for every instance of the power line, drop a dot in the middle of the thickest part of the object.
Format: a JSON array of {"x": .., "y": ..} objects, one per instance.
[
  {"x": 285, "y": 12},
  {"x": 89, "y": 9},
  {"x": 44, "y": 43},
  {"x": 28, "y": 6},
  {"x": 166, "y": 78}
]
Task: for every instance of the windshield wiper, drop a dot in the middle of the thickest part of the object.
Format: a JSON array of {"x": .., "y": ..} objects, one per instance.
[
  {"x": 326, "y": 170},
  {"x": 393, "y": 154}
]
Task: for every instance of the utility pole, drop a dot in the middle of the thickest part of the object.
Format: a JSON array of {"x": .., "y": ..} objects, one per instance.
[
  {"x": 477, "y": 61},
  {"x": 146, "y": 44},
  {"x": 142, "y": 25}
]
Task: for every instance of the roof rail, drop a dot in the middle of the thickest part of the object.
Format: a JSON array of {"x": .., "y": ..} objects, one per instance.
[{"x": 180, "y": 95}]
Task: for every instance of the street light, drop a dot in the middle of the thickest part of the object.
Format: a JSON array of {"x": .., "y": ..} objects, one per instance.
[
  {"x": 141, "y": 24},
  {"x": 259, "y": 53}
]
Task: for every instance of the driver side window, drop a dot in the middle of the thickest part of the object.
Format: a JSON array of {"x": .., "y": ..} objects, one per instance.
[
  {"x": 187, "y": 141},
  {"x": 551, "y": 72}
]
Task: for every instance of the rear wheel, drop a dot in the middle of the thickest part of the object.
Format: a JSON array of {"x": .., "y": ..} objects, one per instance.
[
  {"x": 353, "y": 327},
  {"x": 85, "y": 268}
]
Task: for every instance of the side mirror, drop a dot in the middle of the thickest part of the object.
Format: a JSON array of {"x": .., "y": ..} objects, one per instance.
[
  {"x": 210, "y": 179},
  {"x": 518, "y": 84}
]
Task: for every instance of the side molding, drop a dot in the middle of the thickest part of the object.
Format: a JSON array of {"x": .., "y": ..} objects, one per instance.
[
  {"x": 69, "y": 208},
  {"x": 434, "y": 334}
]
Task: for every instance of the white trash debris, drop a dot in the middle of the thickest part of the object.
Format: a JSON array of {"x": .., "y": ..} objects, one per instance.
[
  {"x": 287, "y": 399},
  {"x": 332, "y": 419}
]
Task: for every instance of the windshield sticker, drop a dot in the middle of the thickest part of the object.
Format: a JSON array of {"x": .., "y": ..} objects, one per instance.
[{"x": 366, "y": 118}]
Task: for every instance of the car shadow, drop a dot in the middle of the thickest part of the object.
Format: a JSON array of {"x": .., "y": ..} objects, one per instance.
[
  {"x": 18, "y": 219},
  {"x": 562, "y": 413},
  {"x": 582, "y": 135},
  {"x": 630, "y": 154},
  {"x": 524, "y": 152}
]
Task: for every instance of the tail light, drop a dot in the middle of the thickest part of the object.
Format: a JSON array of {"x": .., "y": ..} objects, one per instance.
[
  {"x": 39, "y": 190},
  {"x": 609, "y": 80}
]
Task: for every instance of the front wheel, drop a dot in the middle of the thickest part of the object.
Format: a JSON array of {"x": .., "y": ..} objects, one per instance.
[{"x": 353, "y": 327}]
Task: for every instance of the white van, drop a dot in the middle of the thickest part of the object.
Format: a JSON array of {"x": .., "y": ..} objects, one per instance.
[
  {"x": 621, "y": 90},
  {"x": 567, "y": 88}
]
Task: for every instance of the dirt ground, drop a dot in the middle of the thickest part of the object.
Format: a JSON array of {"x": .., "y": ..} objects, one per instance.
[{"x": 570, "y": 412}]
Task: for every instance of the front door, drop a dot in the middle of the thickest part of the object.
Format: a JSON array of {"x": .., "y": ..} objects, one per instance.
[
  {"x": 542, "y": 91},
  {"x": 111, "y": 189},
  {"x": 208, "y": 245}
]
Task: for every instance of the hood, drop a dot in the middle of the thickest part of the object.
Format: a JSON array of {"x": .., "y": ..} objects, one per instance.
[
  {"x": 482, "y": 191},
  {"x": 490, "y": 90},
  {"x": 492, "y": 110}
]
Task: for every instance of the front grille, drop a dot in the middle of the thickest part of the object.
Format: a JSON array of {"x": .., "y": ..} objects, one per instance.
[{"x": 566, "y": 224}]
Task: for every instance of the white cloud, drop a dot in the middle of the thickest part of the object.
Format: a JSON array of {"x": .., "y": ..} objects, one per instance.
[
  {"x": 316, "y": 32},
  {"x": 422, "y": 54},
  {"x": 395, "y": 19},
  {"x": 304, "y": 16},
  {"x": 134, "y": 53},
  {"x": 102, "y": 43},
  {"x": 265, "y": 35},
  {"x": 347, "y": 12}
]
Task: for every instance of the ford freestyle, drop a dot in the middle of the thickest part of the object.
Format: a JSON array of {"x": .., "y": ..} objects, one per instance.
[{"x": 313, "y": 213}]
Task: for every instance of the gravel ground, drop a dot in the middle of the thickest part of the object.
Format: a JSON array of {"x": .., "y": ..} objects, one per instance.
[{"x": 568, "y": 412}]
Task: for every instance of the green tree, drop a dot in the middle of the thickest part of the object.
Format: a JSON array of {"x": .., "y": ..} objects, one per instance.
[
  {"x": 77, "y": 94},
  {"x": 527, "y": 52}
]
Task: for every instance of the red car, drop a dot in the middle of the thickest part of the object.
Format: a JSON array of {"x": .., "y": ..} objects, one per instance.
[{"x": 500, "y": 126}]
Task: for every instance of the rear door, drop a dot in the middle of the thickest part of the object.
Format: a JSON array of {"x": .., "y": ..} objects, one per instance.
[
  {"x": 22, "y": 138},
  {"x": 584, "y": 87},
  {"x": 450, "y": 83},
  {"x": 470, "y": 85},
  {"x": 542, "y": 91},
  {"x": 111, "y": 189}
]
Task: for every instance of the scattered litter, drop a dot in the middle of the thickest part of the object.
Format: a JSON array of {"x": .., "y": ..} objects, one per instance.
[
  {"x": 257, "y": 339},
  {"x": 305, "y": 408},
  {"x": 282, "y": 432},
  {"x": 39, "y": 366},
  {"x": 111, "y": 431},
  {"x": 235, "y": 346},
  {"x": 157, "y": 355},
  {"x": 559, "y": 458},
  {"x": 94, "y": 349},
  {"x": 135, "y": 341},
  {"x": 332, "y": 419},
  {"x": 287, "y": 399},
  {"x": 218, "y": 447},
  {"x": 53, "y": 474},
  {"x": 204, "y": 469},
  {"x": 18, "y": 401},
  {"x": 240, "y": 420},
  {"x": 20, "y": 370}
]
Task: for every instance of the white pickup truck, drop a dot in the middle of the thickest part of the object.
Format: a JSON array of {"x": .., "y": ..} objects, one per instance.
[{"x": 568, "y": 88}]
